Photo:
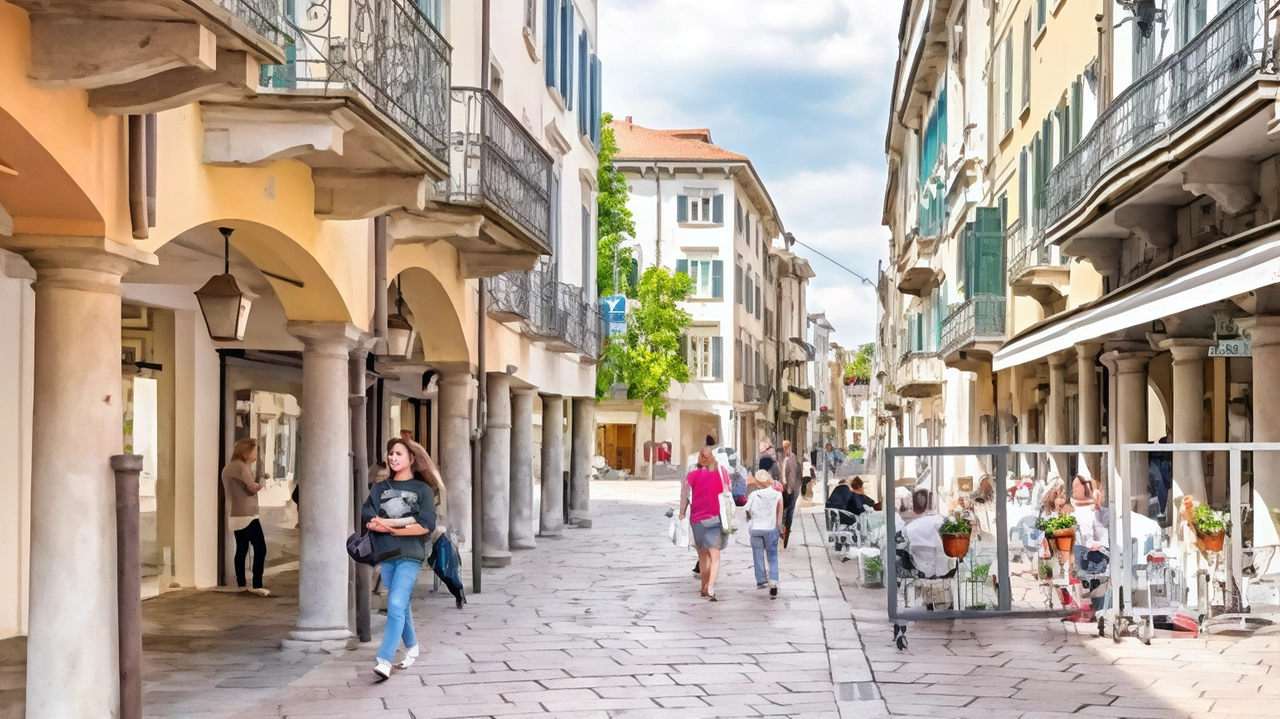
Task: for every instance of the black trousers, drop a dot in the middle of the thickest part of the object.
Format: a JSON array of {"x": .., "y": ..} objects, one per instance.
[
  {"x": 251, "y": 535},
  {"x": 788, "y": 509}
]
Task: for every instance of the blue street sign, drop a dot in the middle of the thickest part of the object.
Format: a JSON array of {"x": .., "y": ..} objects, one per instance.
[{"x": 614, "y": 309}]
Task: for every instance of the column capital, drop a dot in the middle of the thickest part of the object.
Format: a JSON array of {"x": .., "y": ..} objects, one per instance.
[
  {"x": 1261, "y": 330},
  {"x": 524, "y": 391},
  {"x": 456, "y": 379},
  {"x": 337, "y": 338},
  {"x": 1187, "y": 349},
  {"x": 92, "y": 264},
  {"x": 548, "y": 397},
  {"x": 1126, "y": 358},
  {"x": 1061, "y": 359}
]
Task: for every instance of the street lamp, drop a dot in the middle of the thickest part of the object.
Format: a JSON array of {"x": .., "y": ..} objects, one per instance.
[
  {"x": 224, "y": 305},
  {"x": 399, "y": 332}
]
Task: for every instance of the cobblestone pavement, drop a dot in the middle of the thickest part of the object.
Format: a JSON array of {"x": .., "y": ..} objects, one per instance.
[{"x": 607, "y": 622}]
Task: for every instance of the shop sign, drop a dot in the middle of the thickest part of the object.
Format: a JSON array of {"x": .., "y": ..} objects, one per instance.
[{"x": 1231, "y": 348}]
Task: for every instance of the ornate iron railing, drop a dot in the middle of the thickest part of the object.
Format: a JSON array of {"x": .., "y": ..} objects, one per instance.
[
  {"x": 1227, "y": 51},
  {"x": 388, "y": 51},
  {"x": 981, "y": 316},
  {"x": 919, "y": 367},
  {"x": 548, "y": 310},
  {"x": 498, "y": 163},
  {"x": 265, "y": 17}
]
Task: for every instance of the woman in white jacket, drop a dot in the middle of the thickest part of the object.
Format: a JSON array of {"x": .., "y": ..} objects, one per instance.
[{"x": 764, "y": 517}]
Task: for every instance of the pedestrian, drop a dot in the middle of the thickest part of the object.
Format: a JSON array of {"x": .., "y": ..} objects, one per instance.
[
  {"x": 791, "y": 489},
  {"x": 691, "y": 465},
  {"x": 764, "y": 517},
  {"x": 768, "y": 461},
  {"x": 241, "y": 491},
  {"x": 702, "y": 506},
  {"x": 403, "y": 506}
]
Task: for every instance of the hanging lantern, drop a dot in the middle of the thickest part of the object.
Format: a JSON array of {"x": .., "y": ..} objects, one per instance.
[
  {"x": 399, "y": 332},
  {"x": 224, "y": 305}
]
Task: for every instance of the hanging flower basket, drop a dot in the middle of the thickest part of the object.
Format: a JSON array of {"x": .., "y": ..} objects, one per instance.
[
  {"x": 955, "y": 531},
  {"x": 1210, "y": 526}
]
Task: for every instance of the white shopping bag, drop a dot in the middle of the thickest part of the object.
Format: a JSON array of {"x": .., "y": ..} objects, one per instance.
[{"x": 679, "y": 533}]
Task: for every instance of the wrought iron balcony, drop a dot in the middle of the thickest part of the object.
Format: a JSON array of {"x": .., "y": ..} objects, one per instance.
[
  {"x": 755, "y": 393},
  {"x": 919, "y": 374},
  {"x": 385, "y": 51},
  {"x": 265, "y": 17},
  {"x": 977, "y": 325},
  {"x": 549, "y": 311},
  {"x": 1226, "y": 52},
  {"x": 496, "y": 163}
]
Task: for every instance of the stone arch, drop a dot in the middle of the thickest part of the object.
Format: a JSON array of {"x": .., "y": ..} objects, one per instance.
[
  {"x": 436, "y": 317},
  {"x": 38, "y": 193}
]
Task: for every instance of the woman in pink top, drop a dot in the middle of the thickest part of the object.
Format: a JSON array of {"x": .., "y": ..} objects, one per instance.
[{"x": 706, "y": 484}]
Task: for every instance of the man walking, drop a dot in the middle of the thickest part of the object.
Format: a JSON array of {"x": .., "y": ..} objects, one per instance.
[{"x": 790, "y": 470}]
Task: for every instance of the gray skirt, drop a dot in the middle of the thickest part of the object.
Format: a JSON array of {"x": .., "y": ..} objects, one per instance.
[{"x": 706, "y": 534}]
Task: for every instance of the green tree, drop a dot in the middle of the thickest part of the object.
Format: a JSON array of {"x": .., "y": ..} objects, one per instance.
[
  {"x": 615, "y": 219},
  {"x": 860, "y": 367}
]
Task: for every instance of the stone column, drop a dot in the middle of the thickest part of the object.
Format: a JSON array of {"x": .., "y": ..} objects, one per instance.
[
  {"x": 73, "y": 665},
  {"x": 1090, "y": 432},
  {"x": 495, "y": 539},
  {"x": 455, "y": 450},
  {"x": 1189, "y": 355},
  {"x": 324, "y": 486},
  {"x": 1264, "y": 338},
  {"x": 1056, "y": 413},
  {"x": 584, "y": 435},
  {"x": 1128, "y": 367},
  {"x": 552, "y": 513},
  {"x": 522, "y": 469}
]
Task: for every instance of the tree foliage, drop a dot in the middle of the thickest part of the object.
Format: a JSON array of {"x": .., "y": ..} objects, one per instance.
[
  {"x": 615, "y": 218},
  {"x": 647, "y": 358},
  {"x": 860, "y": 367}
]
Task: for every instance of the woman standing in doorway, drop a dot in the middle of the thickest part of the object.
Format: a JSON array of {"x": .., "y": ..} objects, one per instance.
[
  {"x": 702, "y": 506},
  {"x": 403, "y": 506},
  {"x": 241, "y": 491}
]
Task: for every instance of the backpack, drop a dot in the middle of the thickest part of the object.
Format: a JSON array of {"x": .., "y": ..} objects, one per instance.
[{"x": 738, "y": 487}]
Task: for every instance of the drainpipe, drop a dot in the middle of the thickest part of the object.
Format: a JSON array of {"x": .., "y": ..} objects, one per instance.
[
  {"x": 482, "y": 311},
  {"x": 360, "y": 476},
  {"x": 380, "y": 249},
  {"x": 657, "y": 246},
  {"x": 127, "y": 467}
]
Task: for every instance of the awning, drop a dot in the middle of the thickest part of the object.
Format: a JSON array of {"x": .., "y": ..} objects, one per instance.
[{"x": 1211, "y": 274}]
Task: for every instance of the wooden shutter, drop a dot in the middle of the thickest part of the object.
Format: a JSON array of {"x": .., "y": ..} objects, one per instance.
[
  {"x": 717, "y": 209},
  {"x": 746, "y": 290},
  {"x": 989, "y": 254},
  {"x": 717, "y": 360},
  {"x": 1023, "y": 186},
  {"x": 717, "y": 279},
  {"x": 758, "y": 303},
  {"x": 550, "y": 46},
  {"x": 737, "y": 359},
  {"x": 682, "y": 208},
  {"x": 737, "y": 282}
]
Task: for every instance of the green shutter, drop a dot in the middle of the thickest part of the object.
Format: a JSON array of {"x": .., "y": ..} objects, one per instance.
[
  {"x": 717, "y": 209},
  {"x": 1077, "y": 111},
  {"x": 682, "y": 267},
  {"x": 1023, "y": 186},
  {"x": 682, "y": 208},
  {"x": 965, "y": 259},
  {"x": 717, "y": 279},
  {"x": 989, "y": 252}
]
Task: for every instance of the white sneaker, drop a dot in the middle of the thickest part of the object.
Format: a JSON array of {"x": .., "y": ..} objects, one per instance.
[
  {"x": 383, "y": 670},
  {"x": 261, "y": 592},
  {"x": 410, "y": 655}
]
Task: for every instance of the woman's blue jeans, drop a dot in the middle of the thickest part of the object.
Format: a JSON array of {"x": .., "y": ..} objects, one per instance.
[
  {"x": 765, "y": 541},
  {"x": 398, "y": 576}
]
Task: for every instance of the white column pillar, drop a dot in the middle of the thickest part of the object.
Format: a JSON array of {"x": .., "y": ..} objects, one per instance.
[
  {"x": 584, "y": 436},
  {"x": 455, "y": 450},
  {"x": 522, "y": 469},
  {"x": 1056, "y": 412},
  {"x": 1128, "y": 369},
  {"x": 72, "y": 661},
  {"x": 1189, "y": 355},
  {"x": 1264, "y": 338},
  {"x": 552, "y": 511},
  {"x": 495, "y": 534},
  {"x": 324, "y": 486},
  {"x": 1090, "y": 432}
]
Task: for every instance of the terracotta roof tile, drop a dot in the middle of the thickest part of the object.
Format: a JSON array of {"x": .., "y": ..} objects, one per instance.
[{"x": 643, "y": 143}]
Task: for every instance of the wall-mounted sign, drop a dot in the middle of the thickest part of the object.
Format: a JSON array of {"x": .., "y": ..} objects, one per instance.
[
  {"x": 1231, "y": 348},
  {"x": 614, "y": 309}
]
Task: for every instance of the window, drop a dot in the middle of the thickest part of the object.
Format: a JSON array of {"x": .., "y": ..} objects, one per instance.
[
  {"x": 531, "y": 17},
  {"x": 707, "y": 275},
  {"x": 704, "y": 355},
  {"x": 551, "y": 45},
  {"x": 1042, "y": 12},
  {"x": 737, "y": 218},
  {"x": 588, "y": 258},
  {"x": 556, "y": 224},
  {"x": 1008, "y": 82},
  {"x": 1144, "y": 52},
  {"x": 1192, "y": 16},
  {"x": 737, "y": 359},
  {"x": 1026, "y": 62},
  {"x": 1077, "y": 111},
  {"x": 431, "y": 8},
  {"x": 758, "y": 302},
  {"x": 700, "y": 206},
  {"x": 749, "y": 290},
  {"x": 747, "y": 217},
  {"x": 737, "y": 282},
  {"x": 567, "y": 36}
]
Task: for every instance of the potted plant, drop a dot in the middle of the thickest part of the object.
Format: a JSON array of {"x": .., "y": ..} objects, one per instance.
[
  {"x": 1210, "y": 526},
  {"x": 1062, "y": 528},
  {"x": 872, "y": 571},
  {"x": 955, "y": 531}
]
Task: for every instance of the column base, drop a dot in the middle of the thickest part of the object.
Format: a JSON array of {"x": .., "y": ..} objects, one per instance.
[
  {"x": 552, "y": 534},
  {"x": 319, "y": 640},
  {"x": 495, "y": 560},
  {"x": 524, "y": 544},
  {"x": 581, "y": 523}
]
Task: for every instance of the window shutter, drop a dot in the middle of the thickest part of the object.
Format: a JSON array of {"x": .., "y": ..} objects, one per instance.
[
  {"x": 737, "y": 216},
  {"x": 682, "y": 208},
  {"x": 717, "y": 279},
  {"x": 737, "y": 282},
  {"x": 1077, "y": 110},
  {"x": 737, "y": 359},
  {"x": 566, "y": 53},
  {"x": 584, "y": 91},
  {"x": 717, "y": 360},
  {"x": 684, "y": 349},
  {"x": 966, "y": 258},
  {"x": 550, "y": 46},
  {"x": 717, "y": 209},
  {"x": 597, "y": 99},
  {"x": 757, "y": 301},
  {"x": 682, "y": 267},
  {"x": 990, "y": 252},
  {"x": 1022, "y": 187}
]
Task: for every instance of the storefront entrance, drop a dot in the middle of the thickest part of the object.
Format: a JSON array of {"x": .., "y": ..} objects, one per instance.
[{"x": 617, "y": 444}]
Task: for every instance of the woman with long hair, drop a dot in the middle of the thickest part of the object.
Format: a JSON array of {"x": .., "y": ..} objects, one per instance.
[
  {"x": 241, "y": 490},
  {"x": 403, "y": 506},
  {"x": 702, "y": 506}
]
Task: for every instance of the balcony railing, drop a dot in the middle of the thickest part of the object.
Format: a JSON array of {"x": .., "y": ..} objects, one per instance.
[
  {"x": 1028, "y": 250},
  {"x": 552, "y": 311},
  {"x": 981, "y": 316},
  {"x": 265, "y": 17},
  {"x": 1228, "y": 50},
  {"x": 756, "y": 393},
  {"x": 387, "y": 51},
  {"x": 498, "y": 163}
]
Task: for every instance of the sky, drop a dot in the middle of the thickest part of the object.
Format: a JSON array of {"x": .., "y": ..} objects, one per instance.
[{"x": 802, "y": 88}]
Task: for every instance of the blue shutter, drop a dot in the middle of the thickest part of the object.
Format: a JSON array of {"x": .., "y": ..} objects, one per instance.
[
  {"x": 682, "y": 267},
  {"x": 717, "y": 209},
  {"x": 759, "y": 304},
  {"x": 597, "y": 100},
  {"x": 682, "y": 208},
  {"x": 737, "y": 283},
  {"x": 550, "y": 45},
  {"x": 717, "y": 358},
  {"x": 566, "y": 54},
  {"x": 717, "y": 279},
  {"x": 584, "y": 90}
]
